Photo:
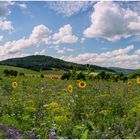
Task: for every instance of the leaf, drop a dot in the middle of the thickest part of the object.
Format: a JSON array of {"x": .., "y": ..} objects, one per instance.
[{"x": 85, "y": 134}]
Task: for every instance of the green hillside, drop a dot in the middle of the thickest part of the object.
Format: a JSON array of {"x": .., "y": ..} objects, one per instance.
[
  {"x": 122, "y": 70},
  {"x": 41, "y": 63}
]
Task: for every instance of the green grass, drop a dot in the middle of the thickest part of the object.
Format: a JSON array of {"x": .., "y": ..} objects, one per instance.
[{"x": 28, "y": 72}]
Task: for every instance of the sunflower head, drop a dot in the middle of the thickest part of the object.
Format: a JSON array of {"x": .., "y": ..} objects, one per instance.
[
  {"x": 138, "y": 80},
  {"x": 70, "y": 88},
  {"x": 129, "y": 83},
  {"x": 77, "y": 82},
  {"x": 82, "y": 84},
  {"x": 14, "y": 85}
]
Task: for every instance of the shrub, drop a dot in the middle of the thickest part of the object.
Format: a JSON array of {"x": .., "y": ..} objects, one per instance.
[
  {"x": 21, "y": 74},
  {"x": 66, "y": 76},
  {"x": 42, "y": 76},
  {"x": 10, "y": 72},
  {"x": 81, "y": 76}
]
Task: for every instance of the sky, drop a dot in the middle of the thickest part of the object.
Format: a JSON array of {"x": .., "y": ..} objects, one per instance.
[{"x": 104, "y": 33}]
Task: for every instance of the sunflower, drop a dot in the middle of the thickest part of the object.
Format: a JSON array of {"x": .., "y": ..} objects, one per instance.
[
  {"x": 14, "y": 85},
  {"x": 70, "y": 88},
  {"x": 138, "y": 80},
  {"x": 82, "y": 84},
  {"x": 77, "y": 82},
  {"x": 129, "y": 83}
]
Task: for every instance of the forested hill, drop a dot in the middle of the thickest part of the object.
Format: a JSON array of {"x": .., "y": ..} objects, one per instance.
[{"x": 41, "y": 62}]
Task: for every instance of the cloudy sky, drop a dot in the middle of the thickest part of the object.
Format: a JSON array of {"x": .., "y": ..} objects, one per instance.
[{"x": 101, "y": 33}]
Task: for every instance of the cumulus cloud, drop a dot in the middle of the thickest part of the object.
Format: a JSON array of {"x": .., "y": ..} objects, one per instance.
[
  {"x": 115, "y": 58},
  {"x": 112, "y": 22},
  {"x": 6, "y": 25},
  {"x": 64, "y": 35},
  {"x": 40, "y": 34},
  {"x": 69, "y": 8}
]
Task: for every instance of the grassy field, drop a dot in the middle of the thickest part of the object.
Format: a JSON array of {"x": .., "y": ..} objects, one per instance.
[
  {"x": 45, "y": 108},
  {"x": 28, "y": 72}
]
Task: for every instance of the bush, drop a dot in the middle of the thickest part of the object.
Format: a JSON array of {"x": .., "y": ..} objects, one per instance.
[
  {"x": 42, "y": 76},
  {"x": 21, "y": 74},
  {"x": 10, "y": 72},
  {"x": 81, "y": 76},
  {"x": 66, "y": 76}
]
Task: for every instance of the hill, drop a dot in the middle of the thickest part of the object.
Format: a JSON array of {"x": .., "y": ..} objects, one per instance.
[
  {"x": 41, "y": 62},
  {"x": 122, "y": 70}
]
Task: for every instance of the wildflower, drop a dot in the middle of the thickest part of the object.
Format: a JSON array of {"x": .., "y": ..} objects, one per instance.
[
  {"x": 129, "y": 83},
  {"x": 70, "y": 88},
  {"x": 14, "y": 85},
  {"x": 138, "y": 80},
  {"x": 77, "y": 82},
  {"x": 82, "y": 84}
]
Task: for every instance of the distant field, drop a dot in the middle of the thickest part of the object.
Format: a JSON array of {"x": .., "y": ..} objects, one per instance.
[{"x": 28, "y": 72}]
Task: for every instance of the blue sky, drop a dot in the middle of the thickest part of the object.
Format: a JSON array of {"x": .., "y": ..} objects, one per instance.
[{"x": 101, "y": 33}]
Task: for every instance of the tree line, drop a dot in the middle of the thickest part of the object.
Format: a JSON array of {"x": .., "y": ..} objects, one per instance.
[
  {"x": 12, "y": 73},
  {"x": 100, "y": 76}
]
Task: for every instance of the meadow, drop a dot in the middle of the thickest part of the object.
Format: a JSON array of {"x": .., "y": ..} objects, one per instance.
[{"x": 55, "y": 108}]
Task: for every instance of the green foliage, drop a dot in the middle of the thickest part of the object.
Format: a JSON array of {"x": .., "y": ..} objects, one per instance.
[
  {"x": 42, "y": 76},
  {"x": 81, "y": 76},
  {"x": 66, "y": 76},
  {"x": 21, "y": 74},
  {"x": 10, "y": 72},
  {"x": 102, "y": 110}
]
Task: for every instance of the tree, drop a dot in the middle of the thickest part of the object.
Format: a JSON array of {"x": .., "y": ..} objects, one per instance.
[
  {"x": 66, "y": 76},
  {"x": 21, "y": 74},
  {"x": 6, "y": 72},
  {"x": 81, "y": 76},
  {"x": 10, "y": 72},
  {"x": 42, "y": 76}
]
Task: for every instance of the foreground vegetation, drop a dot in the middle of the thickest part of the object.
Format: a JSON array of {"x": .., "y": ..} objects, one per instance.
[{"x": 55, "y": 108}]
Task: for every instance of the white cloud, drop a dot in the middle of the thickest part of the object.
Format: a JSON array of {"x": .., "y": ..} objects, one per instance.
[
  {"x": 63, "y": 50},
  {"x": 40, "y": 34},
  {"x": 42, "y": 52},
  {"x": 112, "y": 22},
  {"x": 1, "y": 38},
  {"x": 115, "y": 58},
  {"x": 6, "y": 25},
  {"x": 4, "y": 12},
  {"x": 137, "y": 52},
  {"x": 22, "y": 6},
  {"x": 64, "y": 35},
  {"x": 69, "y": 8}
]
